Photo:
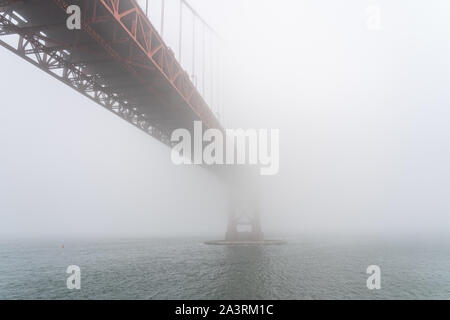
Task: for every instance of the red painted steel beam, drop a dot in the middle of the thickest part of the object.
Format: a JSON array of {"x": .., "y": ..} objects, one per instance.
[
  {"x": 30, "y": 47},
  {"x": 133, "y": 21},
  {"x": 154, "y": 92}
]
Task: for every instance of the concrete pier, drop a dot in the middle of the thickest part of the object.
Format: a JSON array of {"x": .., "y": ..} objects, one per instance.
[{"x": 246, "y": 243}]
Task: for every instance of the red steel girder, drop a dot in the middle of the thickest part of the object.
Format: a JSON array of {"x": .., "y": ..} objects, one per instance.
[
  {"x": 30, "y": 47},
  {"x": 134, "y": 22}
]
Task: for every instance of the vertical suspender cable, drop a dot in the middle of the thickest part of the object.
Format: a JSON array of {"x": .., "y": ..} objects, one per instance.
[
  {"x": 222, "y": 84},
  {"x": 180, "y": 35},
  {"x": 146, "y": 8},
  {"x": 194, "y": 78},
  {"x": 204, "y": 58},
  {"x": 211, "y": 66},
  {"x": 219, "y": 80},
  {"x": 162, "y": 16}
]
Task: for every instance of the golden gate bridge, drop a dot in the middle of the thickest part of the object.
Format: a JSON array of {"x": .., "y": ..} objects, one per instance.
[{"x": 120, "y": 59}]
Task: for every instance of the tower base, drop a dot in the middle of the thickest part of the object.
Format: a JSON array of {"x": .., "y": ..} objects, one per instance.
[{"x": 246, "y": 243}]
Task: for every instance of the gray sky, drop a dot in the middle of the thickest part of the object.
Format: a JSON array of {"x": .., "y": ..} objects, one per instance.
[{"x": 364, "y": 118}]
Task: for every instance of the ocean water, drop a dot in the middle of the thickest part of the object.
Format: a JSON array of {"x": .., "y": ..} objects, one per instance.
[{"x": 304, "y": 268}]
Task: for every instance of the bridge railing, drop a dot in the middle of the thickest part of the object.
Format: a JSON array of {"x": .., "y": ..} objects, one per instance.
[{"x": 196, "y": 44}]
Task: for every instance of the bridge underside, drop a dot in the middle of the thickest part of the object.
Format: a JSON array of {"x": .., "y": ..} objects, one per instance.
[{"x": 117, "y": 59}]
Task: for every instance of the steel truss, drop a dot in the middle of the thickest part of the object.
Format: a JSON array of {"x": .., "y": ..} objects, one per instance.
[
  {"x": 132, "y": 19},
  {"x": 145, "y": 55},
  {"x": 37, "y": 49}
]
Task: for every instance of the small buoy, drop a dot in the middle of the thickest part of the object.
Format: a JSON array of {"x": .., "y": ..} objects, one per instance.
[{"x": 63, "y": 246}]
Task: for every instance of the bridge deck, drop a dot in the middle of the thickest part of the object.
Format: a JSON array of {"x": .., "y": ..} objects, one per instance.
[{"x": 117, "y": 59}]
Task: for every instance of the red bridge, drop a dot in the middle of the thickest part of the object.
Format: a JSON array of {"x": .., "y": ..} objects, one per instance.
[{"x": 117, "y": 58}]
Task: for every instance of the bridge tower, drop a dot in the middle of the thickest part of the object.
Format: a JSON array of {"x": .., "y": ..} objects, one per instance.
[
  {"x": 120, "y": 61},
  {"x": 244, "y": 223},
  {"x": 238, "y": 218}
]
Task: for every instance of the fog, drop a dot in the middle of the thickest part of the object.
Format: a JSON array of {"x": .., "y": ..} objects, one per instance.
[{"x": 363, "y": 117}]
